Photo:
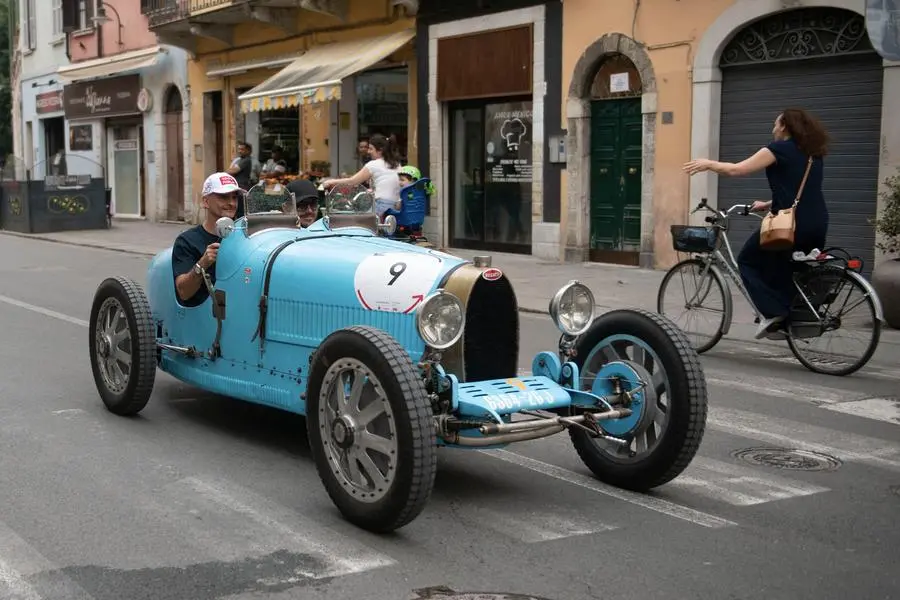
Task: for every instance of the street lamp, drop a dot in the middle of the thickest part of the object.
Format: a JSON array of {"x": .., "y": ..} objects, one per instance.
[{"x": 101, "y": 17}]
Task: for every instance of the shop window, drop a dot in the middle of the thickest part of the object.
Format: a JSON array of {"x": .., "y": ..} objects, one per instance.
[{"x": 383, "y": 105}]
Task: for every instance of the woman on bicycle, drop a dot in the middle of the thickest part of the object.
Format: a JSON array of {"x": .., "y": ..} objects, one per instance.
[
  {"x": 767, "y": 274},
  {"x": 383, "y": 170}
]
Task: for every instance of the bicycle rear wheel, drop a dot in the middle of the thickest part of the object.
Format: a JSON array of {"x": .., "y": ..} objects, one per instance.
[
  {"x": 698, "y": 295},
  {"x": 843, "y": 304}
]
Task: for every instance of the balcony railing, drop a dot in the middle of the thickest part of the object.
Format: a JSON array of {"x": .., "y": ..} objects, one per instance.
[
  {"x": 205, "y": 5},
  {"x": 162, "y": 12}
]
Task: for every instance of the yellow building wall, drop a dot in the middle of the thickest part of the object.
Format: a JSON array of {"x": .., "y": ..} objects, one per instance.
[
  {"x": 670, "y": 32},
  {"x": 256, "y": 41}
]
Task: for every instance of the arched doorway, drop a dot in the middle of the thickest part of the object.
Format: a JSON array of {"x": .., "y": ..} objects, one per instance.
[
  {"x": 174, "y": 136},
  {"x": 615, "y": 153},
  {"x": 820, "y": 59}
]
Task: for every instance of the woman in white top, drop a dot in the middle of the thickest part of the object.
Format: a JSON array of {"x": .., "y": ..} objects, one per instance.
[{"x": 383, "y": 170}]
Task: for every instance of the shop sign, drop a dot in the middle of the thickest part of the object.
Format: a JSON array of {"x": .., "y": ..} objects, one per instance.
[
  {"x": 509, "y": 134},
  {"x": 102, "y": 98},
  {"x": 48, "y": 102}
]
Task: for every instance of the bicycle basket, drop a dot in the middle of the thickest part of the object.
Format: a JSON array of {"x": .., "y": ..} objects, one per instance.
[{"x": 694, "y": 238}]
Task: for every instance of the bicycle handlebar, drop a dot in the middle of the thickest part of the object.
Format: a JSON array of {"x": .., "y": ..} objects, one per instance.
[{"x": 724, "y": 213}]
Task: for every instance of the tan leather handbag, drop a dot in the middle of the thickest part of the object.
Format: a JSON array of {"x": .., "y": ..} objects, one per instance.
[{"x": 777, "y": 231}]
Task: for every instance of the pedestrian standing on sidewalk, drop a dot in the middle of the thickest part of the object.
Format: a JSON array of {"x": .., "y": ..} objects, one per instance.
[{"x": 767, "y": 274}]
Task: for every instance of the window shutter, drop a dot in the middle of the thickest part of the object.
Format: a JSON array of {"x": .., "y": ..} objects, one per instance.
[{"x": 70, "y": 15}]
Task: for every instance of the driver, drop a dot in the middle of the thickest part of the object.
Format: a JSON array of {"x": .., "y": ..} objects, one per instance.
[{"x": 196, "y": 249}]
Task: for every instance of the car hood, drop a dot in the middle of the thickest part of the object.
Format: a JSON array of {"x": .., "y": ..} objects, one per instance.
[{"x": 368, "y": 273}]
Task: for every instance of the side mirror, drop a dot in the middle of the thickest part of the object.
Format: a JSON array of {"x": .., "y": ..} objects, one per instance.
[
  {"x": 389, "y": 226},
  {"x": 224, "y": 227}
]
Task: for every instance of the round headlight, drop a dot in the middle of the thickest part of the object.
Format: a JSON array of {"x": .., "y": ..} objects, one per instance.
[
  {"x": 440, "y": 319},
  {"x": 572, "y": 308}
]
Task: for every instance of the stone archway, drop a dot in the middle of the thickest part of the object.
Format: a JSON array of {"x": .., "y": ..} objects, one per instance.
[
  {"x": 174, "y": 135},
  {"x": 578, "y": 143}
]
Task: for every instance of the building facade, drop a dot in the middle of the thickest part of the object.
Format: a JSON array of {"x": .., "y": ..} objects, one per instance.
[
  {"x": 125, "y": 100},
  {"x": 488, "y": 132},
  {"x": 660, "y": 83},
  {"x": 38, "y": 119},
  {"x": 309, "y": 80}
]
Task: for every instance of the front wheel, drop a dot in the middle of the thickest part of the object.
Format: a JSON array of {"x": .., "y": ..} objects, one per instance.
[
  {"x": 371, "y": 429},
  {"x": 698, "y": 300},
  {"x": 665, "y": 436}
]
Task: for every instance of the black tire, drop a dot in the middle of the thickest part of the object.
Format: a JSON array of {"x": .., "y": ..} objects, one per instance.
[
  {"x": 687, "y": 400},
  {"x": 834, "y": 277},
  {"x": 721, "y": 289},
  {"x": 132, "y": 396},
  {"x": 416, "y": 455}
]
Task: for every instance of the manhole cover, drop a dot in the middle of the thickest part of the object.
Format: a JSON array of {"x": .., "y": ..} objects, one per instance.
[
  {"x": 788, "y": 458},
  {"x": 444, "y": 593}
]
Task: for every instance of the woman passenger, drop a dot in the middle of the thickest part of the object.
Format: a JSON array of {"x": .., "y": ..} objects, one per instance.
[{"x": 767, "y": 274}]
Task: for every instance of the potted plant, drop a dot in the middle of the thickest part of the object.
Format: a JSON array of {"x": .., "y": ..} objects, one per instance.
[{"x": 886, "y": 276}]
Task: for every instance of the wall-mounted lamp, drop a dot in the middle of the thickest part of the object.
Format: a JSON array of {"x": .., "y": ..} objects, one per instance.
[{"x": 101, "y": 17}]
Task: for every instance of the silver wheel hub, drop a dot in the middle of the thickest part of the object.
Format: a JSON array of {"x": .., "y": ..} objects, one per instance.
[
  {"x": 113, "y": 346},
  {"x": 358, "y": 430}
]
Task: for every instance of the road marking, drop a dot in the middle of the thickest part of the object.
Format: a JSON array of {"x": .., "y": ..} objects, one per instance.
[
  {"x": 532, "y": 527},
  {"x": 866, "y": 371},
  {"x": 652, "y": 503},
  {"x": 777, "y": 387},
  {"x": 43, "y": 311},
  {"x": 738, "y": 485},
  {"x": 793, "y": 434},
  {"x": 230, "y": 522},
  {"x": 879, "y": 409},
  {"x": 25, "y": 574}
]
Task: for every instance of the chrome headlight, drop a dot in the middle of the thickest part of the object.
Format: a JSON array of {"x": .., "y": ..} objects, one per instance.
[
  {"x": 440, "y": 319},
  {"x": 572, "y": 308}
]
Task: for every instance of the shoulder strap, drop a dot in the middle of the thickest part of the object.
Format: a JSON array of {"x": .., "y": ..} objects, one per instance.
[{"x": 803, "y": 183}]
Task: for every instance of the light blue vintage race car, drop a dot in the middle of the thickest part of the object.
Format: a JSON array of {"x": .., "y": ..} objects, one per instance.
[{"x": 392, "y": 350}]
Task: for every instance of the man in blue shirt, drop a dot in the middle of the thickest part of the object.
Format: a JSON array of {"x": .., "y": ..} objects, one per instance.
[{"x": 196, "y": 249}]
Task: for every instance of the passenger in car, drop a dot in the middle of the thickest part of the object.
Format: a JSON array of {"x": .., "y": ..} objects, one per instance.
[
  {"x": 195, "y": 250},
  {"x": 306, "y": 197}
]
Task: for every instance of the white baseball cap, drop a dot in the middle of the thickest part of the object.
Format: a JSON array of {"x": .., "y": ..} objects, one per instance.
[{"x": 220, "y": 183}]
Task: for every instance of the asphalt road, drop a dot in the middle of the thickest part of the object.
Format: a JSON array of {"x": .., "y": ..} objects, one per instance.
[{"x": 203, "y": 497}]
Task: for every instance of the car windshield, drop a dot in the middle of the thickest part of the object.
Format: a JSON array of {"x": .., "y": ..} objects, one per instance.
[
  {"x": 267, "y": 198},
  {"x": 350, "y": 200}
]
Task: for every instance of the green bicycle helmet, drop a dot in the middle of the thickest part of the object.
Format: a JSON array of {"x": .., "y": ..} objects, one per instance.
[{"x": 412, "y": 171}]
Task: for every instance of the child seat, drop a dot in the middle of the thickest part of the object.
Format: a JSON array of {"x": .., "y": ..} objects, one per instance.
[{"x": 414, "y": 200}]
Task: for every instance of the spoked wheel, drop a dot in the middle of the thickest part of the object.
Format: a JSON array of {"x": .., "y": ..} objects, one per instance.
[
  {"x": 370, "y": 429},
  {"x": 699, "y": 303},
  {"x": 122, "y": 346},
  {"x": 665, "y": 431},
  {"x": 846, "y": 334}
]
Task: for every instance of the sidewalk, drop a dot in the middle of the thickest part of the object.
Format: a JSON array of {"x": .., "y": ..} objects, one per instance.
[{"x": 535, "y": 280}]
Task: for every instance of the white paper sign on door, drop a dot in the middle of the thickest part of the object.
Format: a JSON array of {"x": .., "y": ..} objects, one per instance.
[{"x": 618, "y": 82}]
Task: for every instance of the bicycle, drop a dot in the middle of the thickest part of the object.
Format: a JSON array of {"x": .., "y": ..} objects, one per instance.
[{"x": 818, "y": 283}]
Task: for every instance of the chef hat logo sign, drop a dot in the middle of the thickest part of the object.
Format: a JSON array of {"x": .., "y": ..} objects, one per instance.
[{"x": 512, "y": 131}]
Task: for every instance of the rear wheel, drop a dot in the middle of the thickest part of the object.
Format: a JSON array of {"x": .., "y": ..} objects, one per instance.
[
  {"x": 841, "y": 337},
  {"x": 122, "y": 346},
  {"x": 664, "y": 438},
  {"x": 370, "y": 429},
  {"x": 696, "y": 299}
]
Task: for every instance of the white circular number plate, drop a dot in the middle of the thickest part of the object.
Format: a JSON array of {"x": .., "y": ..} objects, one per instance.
[{"x": 395, "y": 282}]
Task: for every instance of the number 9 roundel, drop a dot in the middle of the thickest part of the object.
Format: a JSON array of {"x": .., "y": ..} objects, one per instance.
[{"x": 395, "y": 282}]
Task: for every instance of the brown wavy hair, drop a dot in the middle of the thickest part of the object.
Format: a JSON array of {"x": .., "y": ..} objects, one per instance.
[{"x": 806, "y": 130}]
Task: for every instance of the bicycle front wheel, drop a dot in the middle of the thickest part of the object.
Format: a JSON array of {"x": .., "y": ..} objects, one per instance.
[
  {"x": 697, "y": 300},
  {"x": 845, "y": 333}
]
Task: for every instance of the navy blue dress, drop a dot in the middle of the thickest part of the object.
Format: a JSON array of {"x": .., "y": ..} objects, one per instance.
[{"x": 767, "y": 274}]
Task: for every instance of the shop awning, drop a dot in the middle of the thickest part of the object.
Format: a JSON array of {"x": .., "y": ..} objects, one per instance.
[
  {"x": 316, "y": 76},
  {"x": 235, "y": 68},
  {"x": 110, "y": 65}
]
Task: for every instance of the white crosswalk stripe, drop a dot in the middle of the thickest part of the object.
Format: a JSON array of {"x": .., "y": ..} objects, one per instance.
[
  {"x": 25, "y": 574},
  {"x": 533, "y": 526},
  {"x": 226, "y": 522},
  {"x": 737, "y": 485}
]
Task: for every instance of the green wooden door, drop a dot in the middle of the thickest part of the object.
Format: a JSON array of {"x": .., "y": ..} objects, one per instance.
[{"x": 615, "y": 192}]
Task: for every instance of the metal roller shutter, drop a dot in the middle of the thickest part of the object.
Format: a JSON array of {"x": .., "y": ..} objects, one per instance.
[{"x": 845, "y": 93}]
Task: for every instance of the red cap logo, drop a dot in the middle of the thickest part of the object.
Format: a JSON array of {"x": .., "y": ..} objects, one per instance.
[{"x": 227, "y": 180}]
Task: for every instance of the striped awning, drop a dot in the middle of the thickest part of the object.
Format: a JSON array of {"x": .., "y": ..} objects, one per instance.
[{"x": 316, "y": 76}]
